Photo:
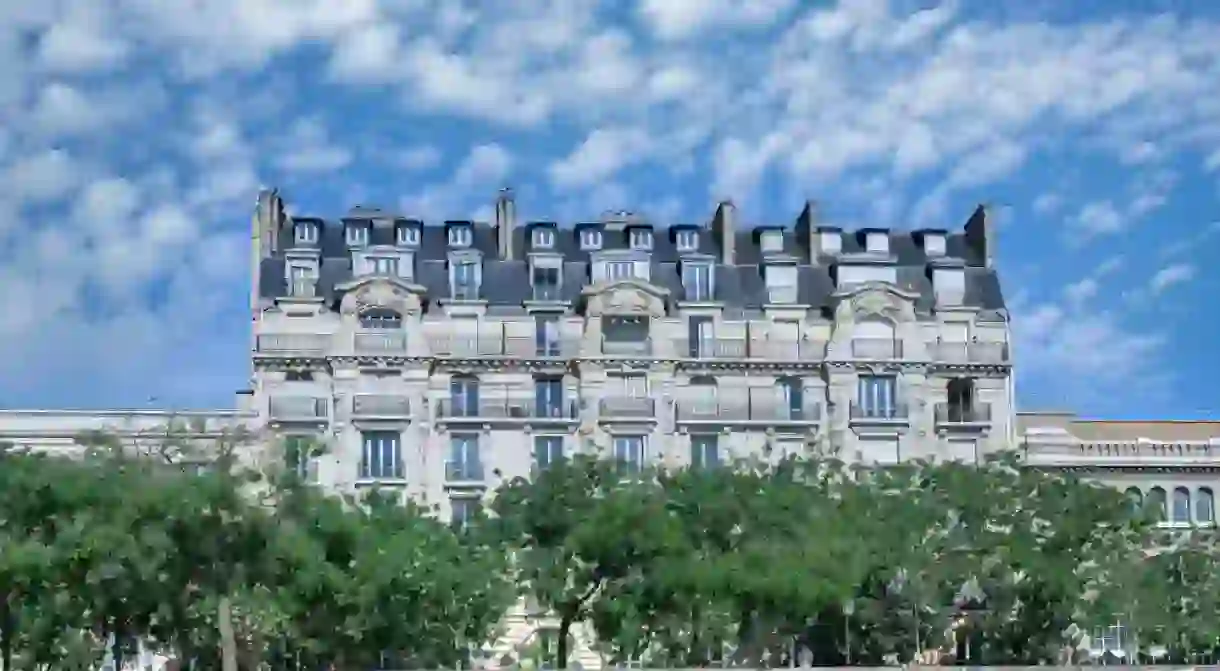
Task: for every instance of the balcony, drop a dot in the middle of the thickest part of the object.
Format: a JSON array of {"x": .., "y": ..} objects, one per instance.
[
  {"x": 892, "y": 413},
  {"x": 627, "y": 407},
  {"x": 380, "y": 406},
  {"x": 293, "y": 344},
  {"x": 615, "y": 347},
  {"x": 752, "y": 348},
  {"x": 504, "y": 409},
  {"x": 962, "y": 416},
  {"x": 390, "y": 343},
  {"x": 546, "y": 293},
  {"x": 466, "y": 470},
  {"x": 970, "y": 352},
  {"x": 761, "y": 410},
  {"x": 876, "y": 348},
  {"x": 495, "y": 341},
  {"x": 299, "y": 408}
]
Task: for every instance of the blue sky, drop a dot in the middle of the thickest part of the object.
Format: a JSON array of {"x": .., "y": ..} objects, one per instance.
[{"x": 134, "y": 135}]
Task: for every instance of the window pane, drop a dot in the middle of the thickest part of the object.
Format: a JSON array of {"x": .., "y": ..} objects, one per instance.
[
  {"x": 1205, "y": 506},
  {"x": 1181, "y": 505}
]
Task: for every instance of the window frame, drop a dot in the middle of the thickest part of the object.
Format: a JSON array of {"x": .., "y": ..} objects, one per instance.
[
  {"x": 771, "y": 241},
  {"x": 305, "y": 233},
  {"x": 460, "y": 236},
  {"x": 542, "y": 237},
  {"x": 630, "y": 451},
  {"x": 877, "y": 396},
  {"x": 692, "y": 270},
  {"x": 375, "y": 444},
  {"x": 407, "y": 235},
  {"x": 699, "y": 442},
  {"x": 590, "y": 239},
  {"x": 547, "y": 443},
  {"x": 641, "y": 239},
  {"x": 687, "y": 240},
  {"x": 356, "y": 235},
  {"x": 464, "y": 462}
]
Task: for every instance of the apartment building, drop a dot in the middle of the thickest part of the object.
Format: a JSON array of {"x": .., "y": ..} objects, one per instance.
[{"x": 443, "y": 357}]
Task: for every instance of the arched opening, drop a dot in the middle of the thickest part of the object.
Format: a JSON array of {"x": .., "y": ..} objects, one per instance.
[
  {"x": 1136, "y": 497},
  {"x": 1205, "y": 506},
  {"x": 1181, "y": 505},
  {"x": 380, "y": 319},
  {"x": 1156, "y": 500},
  {"x": 875, "y": 338},
  {"x": 960, "y": 400}
]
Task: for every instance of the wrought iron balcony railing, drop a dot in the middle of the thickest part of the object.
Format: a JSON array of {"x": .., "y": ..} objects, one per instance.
[
  {"x": 519, "y": 409},
  {"x": 876, "y": 348},
  {"x": 959, "y": 413},
  {"x": 970, "y": 352},
  {"x": 375, "y": 343},
  {"x": 627, "y": 407},
  {"x": 377, "y": 406},
  {"x": 293, "y": 344},
  {"x": 299, "y": 408},
  {"x": 757, "y": 409},
  {"x": 718, "y": 347},
  {"x": 894, "y": 412}
]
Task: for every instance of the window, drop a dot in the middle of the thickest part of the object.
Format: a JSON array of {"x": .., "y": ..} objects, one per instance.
[
  {"x": 301, "y": 281},
  {"x": 548, "y": 398},
  {"x": 792, "y": 397},
  {"x": 697, "y": 281},
  {"x": 464, "y": 396},
  {"x": 357, "y": 235},
  {"x": 464, "y": 462},
  {"x": 960, "y": 406},
  {"x": 629, "y": 452},
  {"x": 1205, "y": 506},
  {"x": 463, "y": 510},
  {"x": 625, "y": 335},
  {"x": 619, "y": 270},
  {"x": 546, "y": 283},
  {"x": 1181, "y": 505},
  {"x": 298, "y": 458},
  {"x": 548, "y": 450},
  {"x": 408, "y": 236},
  {"x": 704, "y": 451},
  {"x": 381, "y": 457},
  {"x": 781, "y": 284},
  {"x": 459, "y": 236},
  {"x": 546, "y": 335},
  {"x": 590, "y": 239},
  {"x": 641, "y": 239},
  {"x": 1156, "y": 499},
  {"x": 306, "y": 233},
  {"x": 465, "y": 280},
  {"x": 701, "y": 337},
  {"x": 877, "y": 242},
  {"x": 772, "y": 242},
  {"x": 688, "y": 241},
  {"x": 382, "y": 265},
  {"x": 298, "y": 376},
  {"x": 877, "y": 396},
  {"x": 543, "y": 238},
  {"x": 380, "y": 318},
  {"x": 1136, "y": 497}
]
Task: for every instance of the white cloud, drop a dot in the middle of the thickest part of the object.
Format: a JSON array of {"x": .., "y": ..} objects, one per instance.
[
  {"x": 308, "y": 149},
  {"x": 81, "y": 42},
  {"x": 485, "y": 164},
  {"x": 1170, "y": 276},
  {"x": 604, "y": 152},
  {"x": 1097, "y": 218},
  {"x": 678, "y": 19}
]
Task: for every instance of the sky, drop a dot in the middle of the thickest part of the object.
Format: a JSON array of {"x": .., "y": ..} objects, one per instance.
[{"x": 135, "y": 135}]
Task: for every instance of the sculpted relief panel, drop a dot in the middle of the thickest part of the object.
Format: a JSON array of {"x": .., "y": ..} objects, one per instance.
[
  {"x": 626, "y": 298},
  {"x": 380, "y": 293}
]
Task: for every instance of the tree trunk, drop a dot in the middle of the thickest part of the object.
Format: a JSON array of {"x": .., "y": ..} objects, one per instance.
[
  {"x": 228, "y": 642},
  {"x": 7, "y": 625},
  {"x": 561, "y": 646}
]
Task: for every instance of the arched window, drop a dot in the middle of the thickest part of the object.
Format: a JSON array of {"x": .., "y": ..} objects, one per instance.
[
  {"x": 1205, "y": 506},
  {"x": 1136, "y": 497},
  {"x": 380, "y": 318},
  {"x": 1156, "y": 500},
  {"x": 1181, "y": 505}
]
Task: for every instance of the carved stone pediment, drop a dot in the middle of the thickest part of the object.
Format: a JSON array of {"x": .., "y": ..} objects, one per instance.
[
  {"x": 625, "y": 297},
  {"x": 873, "y": 300},
  {"x": 381, "y": 292}
]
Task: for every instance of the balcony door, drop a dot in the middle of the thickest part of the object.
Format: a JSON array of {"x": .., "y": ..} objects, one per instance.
[{"x": 464, "y": 396}]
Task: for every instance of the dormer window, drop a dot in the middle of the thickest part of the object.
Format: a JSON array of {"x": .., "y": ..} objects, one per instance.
[
  {"x": 460, "y": 236},
  {"x": 357, "y": 235},
  {"x": 781, "y": 283},
  {"x": 408, "y": 235},
  {"x": 383, "y": 265},
  {"x": 688, "y": 241},
  {"x": 772, "y": 242},
  {"x": 306, "y": 233},
  {"x": 641, "y": 239},
  {"x": 877, "y": 242},
  {"x": 590, "y": 239},
  {"x": 619, "y": 270},
  {"x": 933, "y": 244},
  {"x": 542, "y": 238},
  {"x": 830, "y": 242}
]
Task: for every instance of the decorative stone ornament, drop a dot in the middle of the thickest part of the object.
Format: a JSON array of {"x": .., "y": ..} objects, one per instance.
[
  {"x": 380, "y": 292},
  {"x": 626, "y": 298}
]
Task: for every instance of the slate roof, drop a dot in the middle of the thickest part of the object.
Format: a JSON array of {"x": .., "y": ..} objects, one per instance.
[{"x": 506, "y": 283}]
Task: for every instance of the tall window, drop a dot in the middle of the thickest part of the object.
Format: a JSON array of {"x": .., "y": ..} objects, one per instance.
[
  {"x": 380, "y": 318},
  {"x": 1136, "y": 497},
  {"x": 781, "y": 283},
  {"x": 697, "y": 281},
  {"x": 465, "y": 280},
  {"x": 1156, "y": 499},
  {"x": 1181, "y": 505},
  {"x": 548, "y": 450},
  {"x": 381, "y": 457},
  {"x": 960, "y": 406},
  {"x": 792, "y": 397},
  {"x": 546, "y": 335},
  {"x": 546, "y": 283},
  {"x": 464, "y": 396},
  {"x": 704, "y": 451},
  {"x": 1205, "y": 506},
  {"x": 548, "y": 397},
  {"x": 877, "y": 396},
  {"x": 298, "y": 459},
  {"x": 301, "y": 281},
  {"x": 465, "y": 462},
  {"x": 463, "y": 510},
  {"x": 701, "y": 337},
  {"x": 629, "y": 452}
]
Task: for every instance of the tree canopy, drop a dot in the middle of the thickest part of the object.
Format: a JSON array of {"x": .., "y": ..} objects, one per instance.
[{"x": 226, "y": 564}]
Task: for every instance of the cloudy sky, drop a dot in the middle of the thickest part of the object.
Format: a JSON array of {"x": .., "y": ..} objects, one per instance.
[{"x": 134, "y": 135}]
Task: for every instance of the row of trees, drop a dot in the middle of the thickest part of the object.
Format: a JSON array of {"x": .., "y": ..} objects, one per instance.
[{"x": 239, "y": 565}]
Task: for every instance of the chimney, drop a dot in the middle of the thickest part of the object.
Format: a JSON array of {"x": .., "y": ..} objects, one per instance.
[
  {"x": 979, "y": 235},
  {"x": 806, "y": 231},
  {"x": 506, "y": 221},
  {"x": 724, "y": 231},
  {"x": 268, "y": 217}
]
